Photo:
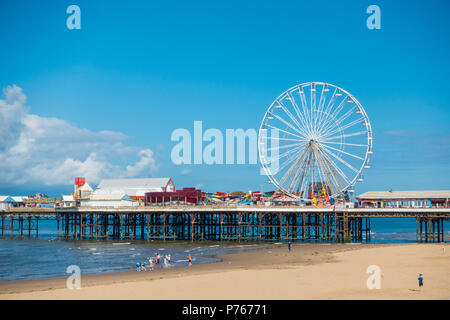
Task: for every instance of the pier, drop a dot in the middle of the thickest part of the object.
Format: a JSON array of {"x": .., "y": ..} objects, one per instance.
[{"x": 196, "y": 223}]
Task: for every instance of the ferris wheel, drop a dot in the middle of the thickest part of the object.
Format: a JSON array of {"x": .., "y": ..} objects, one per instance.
[{"x": 315, "y": 140}]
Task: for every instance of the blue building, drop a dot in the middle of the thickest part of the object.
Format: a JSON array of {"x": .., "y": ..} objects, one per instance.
[{"x": 7, "y": 202}]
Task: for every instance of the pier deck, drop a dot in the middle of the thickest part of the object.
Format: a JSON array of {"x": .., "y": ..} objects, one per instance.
[{"x": 327, "y": 224}]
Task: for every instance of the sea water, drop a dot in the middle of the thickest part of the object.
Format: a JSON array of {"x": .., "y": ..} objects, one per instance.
[
  {"x": 47, "y": 256},
  {"x": 32, "y": 258}
]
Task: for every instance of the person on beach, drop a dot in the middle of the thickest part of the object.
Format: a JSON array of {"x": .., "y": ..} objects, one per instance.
[
  {"x": 138, "y": 266},
  {"x": 143, "y": 266},
  {"x": 420, "y": 278},
  {"x": 159, "y": 257},
  {"x": 150, "y": 264},
  {"x": 190, "y": 260},
  {"x": 289, "y": 245},
  {"x": 156, "y": 258},
  {"x": 168, "y": 258}
]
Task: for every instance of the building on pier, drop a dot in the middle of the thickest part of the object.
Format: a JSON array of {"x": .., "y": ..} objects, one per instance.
[
  {"x": 404, "y": 199},
  {"x": 67, "y": 201},
  {"x": 40, "y": 201},
  {"x": 135, "y": 188},
  {"x": 7, "y": 202},
  {"x": 184, "y": 196},
  {"x": 114, "y": 200}
]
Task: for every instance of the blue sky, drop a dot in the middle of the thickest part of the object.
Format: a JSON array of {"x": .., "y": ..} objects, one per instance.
[{"x": 141, "y": 69}]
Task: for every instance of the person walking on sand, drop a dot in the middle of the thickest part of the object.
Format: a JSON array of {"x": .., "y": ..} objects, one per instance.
[
  {"x": 190, "y": 260},
  {"x": 138, "y": 266},
  {"x": 143, "y": 266},
  {"x": 289, "y": 245},
  {"x": 420, "y": 278},
  {"x": 168, "y": 258}
]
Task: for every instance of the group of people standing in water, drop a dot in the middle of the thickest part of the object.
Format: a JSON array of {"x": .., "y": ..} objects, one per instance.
[{"x": 140, "y": 266}]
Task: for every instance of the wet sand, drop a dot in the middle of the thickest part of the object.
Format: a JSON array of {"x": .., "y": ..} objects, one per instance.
[{"x": 308, "y": 271}]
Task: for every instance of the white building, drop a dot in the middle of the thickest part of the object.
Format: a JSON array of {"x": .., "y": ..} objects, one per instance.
[
  {"x": 67, "y": 201},
  {"x": 114, "y": 200},
  {"x": 84, "y": 191},
  {"x": 135, "y": 187},
  {"x": 405, "y": 199}
]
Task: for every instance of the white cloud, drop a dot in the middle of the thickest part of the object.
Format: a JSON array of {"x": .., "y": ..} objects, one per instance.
[{"x": 53, "y": 151}]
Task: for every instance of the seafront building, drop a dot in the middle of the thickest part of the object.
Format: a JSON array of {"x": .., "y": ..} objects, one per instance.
[
  {"x": 135, "y": 188},
  {"x": 7, "y": 202},
  {"x": 114, "y": 200},
  {"x": 184, "y": 196},
  {"x": 67, "y": 201},
  {"x": 114, "y": 193},
  {"x": 404, "y": 199}
]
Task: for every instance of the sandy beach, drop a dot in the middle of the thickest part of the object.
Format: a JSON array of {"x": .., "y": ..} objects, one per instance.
[{"x": 308, "y": 271}]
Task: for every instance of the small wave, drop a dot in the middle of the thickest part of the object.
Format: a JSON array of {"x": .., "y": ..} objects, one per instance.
[
  {"x": 92, "y": 249},
  {"x": 120, "y": 243},
  {"x": 132, "y": 249}
]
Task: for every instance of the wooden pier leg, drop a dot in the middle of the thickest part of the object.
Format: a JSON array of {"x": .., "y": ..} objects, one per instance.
[
  {"x": 192, "y": 226},
  {"x": 438, "y": 227},
  {"x": 280, "y": 217},
  {"x": 288, "y": 234},
  {"x": 417, "y": 229},
  {"x": 96, "y": 226},
  {"x": 433, "y": 237},
  {"x": 75, "y": 225},
  {"x": 420, "y": 230},
  {"x": 334, "y": 234},
  {"x": 321, "y": 227},
  {"x": 148, "y": 226},
  {"x": 11, "y": 217},
  {"x": 120, "y": 226},
  {"x": 239, "y": 225},
  {"x": 347, "y": 229},
  {"x": 260, "y": 225},
  {"x": 221, "y": 226},
  {"x": 164, "y": 226},
  {"x": 81, "y": 226},
  {"x": 20, "y": 226},
  {"x": 303, "y": 226}
]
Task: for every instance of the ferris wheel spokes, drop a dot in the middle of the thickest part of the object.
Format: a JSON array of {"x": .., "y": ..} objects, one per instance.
[{"x": 313, "y": 141}]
